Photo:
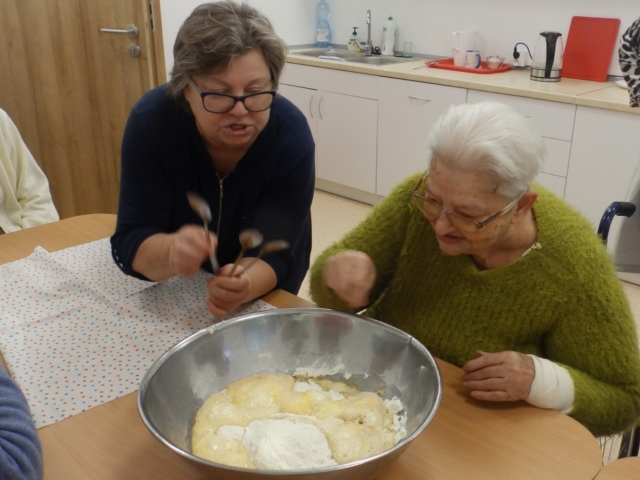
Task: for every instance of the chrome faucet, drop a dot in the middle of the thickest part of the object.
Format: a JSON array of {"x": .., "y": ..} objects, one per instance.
[{"x": 369, "y": 51}]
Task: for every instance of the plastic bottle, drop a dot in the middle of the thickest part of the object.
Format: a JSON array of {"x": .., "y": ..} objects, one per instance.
[
  {"x": 354, "y": 43},
  {"x": 323, "y": 31},
  {"x": 388, "y": 36}
]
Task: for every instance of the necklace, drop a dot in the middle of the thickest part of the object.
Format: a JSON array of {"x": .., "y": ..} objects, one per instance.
[{"x": 535, "y": 246}]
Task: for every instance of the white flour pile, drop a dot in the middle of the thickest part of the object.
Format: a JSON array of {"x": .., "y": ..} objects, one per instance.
[
  {"x": 272, "y": 422},
  {"x": 278, "y": 444}
]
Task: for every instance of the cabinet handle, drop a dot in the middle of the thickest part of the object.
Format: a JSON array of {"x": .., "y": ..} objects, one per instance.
[
  {"x": 320, "y": 107},
  {"x": 527, "y": 116},
  {"x": 419, "y": 98},
  {"x": 311, "y": 106}
]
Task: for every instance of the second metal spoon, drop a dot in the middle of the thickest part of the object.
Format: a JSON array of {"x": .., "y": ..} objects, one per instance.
[
  {"x": 249, "y": 238},
  {"x": 269, "y": 247}
]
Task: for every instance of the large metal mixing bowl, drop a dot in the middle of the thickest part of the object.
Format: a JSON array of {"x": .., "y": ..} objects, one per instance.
[{"x": 379, "y": 358}]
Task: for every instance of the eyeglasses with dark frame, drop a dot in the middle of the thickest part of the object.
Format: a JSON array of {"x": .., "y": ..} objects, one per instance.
[
  {"x": 215, "y": 102},
  {"x": 432, "y": 210}
]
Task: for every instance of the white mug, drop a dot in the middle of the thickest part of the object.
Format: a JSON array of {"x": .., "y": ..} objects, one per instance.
[{"x": 472, "y": 59}]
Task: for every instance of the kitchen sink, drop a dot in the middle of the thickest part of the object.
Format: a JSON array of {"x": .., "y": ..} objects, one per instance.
[
  {"x": 345, "y": 56},
  {"x": 380, "y": 60}
]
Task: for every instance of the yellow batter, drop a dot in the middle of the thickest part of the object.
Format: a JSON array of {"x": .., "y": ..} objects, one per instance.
[{"x": 356, "y": 424}]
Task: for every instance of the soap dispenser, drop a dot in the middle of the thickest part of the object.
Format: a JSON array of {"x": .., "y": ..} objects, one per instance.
[{"x": 354, "y": 44}]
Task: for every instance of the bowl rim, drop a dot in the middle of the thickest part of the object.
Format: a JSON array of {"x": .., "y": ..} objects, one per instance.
[{"x": 280, "y": 311}]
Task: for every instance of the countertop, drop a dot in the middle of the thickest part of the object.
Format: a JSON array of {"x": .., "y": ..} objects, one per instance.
[{"x": 605, "y": 95}]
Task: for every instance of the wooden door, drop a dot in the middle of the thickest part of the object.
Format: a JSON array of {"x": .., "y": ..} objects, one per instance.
[{"x": 69, "y": 88}]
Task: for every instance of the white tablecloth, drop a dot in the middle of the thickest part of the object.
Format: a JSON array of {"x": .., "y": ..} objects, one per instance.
[{"x": 76, "y": 332}]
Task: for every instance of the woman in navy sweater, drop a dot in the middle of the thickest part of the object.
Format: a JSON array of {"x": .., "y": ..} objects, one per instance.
[{"x": 218, "y": 129}]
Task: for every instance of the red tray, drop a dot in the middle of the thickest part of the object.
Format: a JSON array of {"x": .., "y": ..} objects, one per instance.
[{"x": 447, "y": 64}]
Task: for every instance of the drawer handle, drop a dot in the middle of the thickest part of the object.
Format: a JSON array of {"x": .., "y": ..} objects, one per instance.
[
  {"x": 527, "y": 116},
  {"x": 419, "y": 98}
]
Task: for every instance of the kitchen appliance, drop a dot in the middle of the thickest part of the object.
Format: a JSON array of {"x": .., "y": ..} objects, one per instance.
[
  {"x": 463, "y": 40},
  {"x": 591, "y": 42},
  {"x": 546, "y": 64}
]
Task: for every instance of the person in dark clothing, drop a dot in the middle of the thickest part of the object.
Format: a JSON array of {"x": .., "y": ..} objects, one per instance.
[
  {"x": 629, "y": 58},
  {"x": 218, "y": 129},
  {"x": 20, "y": 451}
]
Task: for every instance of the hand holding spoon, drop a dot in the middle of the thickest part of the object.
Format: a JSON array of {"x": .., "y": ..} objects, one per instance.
[
  {"x": 201, "y": 207},
  {"x": 249, "y": 238}
]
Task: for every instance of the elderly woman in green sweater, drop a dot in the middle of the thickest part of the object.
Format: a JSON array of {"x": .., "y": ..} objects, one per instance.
[{"x": 494, "y": 274}]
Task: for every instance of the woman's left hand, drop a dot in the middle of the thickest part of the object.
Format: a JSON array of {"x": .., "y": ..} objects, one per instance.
[
  {"x": 228, "y": 293},
  {"x": 499, "y": 377}
]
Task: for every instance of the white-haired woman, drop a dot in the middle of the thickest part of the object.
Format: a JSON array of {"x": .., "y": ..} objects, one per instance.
[{"x": 494, "y": 274}]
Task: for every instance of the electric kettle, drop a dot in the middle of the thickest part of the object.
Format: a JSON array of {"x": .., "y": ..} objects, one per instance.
[{"x": 546, "y": 64}]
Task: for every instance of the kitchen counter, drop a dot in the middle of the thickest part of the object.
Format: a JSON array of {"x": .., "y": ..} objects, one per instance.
[{"x": 605, "y": 95}]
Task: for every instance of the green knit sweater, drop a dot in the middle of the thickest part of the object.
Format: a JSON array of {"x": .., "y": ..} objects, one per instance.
[{"x": 562, "y": 302}]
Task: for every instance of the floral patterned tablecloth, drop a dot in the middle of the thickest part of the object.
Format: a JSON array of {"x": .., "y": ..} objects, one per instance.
[{"x": 76, "y": 332}]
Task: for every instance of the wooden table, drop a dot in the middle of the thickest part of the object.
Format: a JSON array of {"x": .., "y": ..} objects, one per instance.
[
  {"x": 466, "y": 439},
  {"x": 623, "y": 469}
]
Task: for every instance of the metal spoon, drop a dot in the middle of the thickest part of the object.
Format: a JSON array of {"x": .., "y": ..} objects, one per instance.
[
  {"x": 249, "y": 238},
  {"x": 201, "y": 207},
  {"x": 269, "y": 247}
]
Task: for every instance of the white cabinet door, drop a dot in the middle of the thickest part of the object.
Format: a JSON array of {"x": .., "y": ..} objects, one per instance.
[
  {"x": 406, "y": 112},
  {"x": 346, "y": 150},
  {"x": 343, "y": 120},
  {"x": 558, "y": 152},
  {"x": 604, "y": 155},
  {"x": 553, "y": 182},
  {"x": 305, "y": 99}
]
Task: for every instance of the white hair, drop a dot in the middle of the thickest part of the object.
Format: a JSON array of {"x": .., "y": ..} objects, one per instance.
[{"x": 489, "y": 137}]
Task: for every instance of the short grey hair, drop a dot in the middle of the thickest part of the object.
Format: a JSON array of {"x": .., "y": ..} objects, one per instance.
[
  {"x": 489, "y": 137},
  {"x": 216, "y": 33}
]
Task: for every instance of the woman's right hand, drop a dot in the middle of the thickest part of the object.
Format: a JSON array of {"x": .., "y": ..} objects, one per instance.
[
  {"x": 189, "y": 248},
  {"x": 351, "y": 276}
]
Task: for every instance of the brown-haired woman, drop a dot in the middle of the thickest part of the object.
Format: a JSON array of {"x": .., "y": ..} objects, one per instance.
[{"x": 218, "y": 129}]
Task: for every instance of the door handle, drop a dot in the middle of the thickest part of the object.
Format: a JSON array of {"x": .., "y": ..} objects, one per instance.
[
  {"x": 311, "y": 105},
  {"x": 131, "y": 30},
  {"x": 419, "y": 98}
]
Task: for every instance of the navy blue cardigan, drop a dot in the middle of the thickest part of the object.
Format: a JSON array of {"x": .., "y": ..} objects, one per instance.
[{"x": 270, "y": 189}]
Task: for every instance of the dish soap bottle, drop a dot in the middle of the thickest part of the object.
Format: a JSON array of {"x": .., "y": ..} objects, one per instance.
[
  {"x": 354, "y": 44},
  {"x": 388, "y": 36},
  {"x": 323, "y": 31}
]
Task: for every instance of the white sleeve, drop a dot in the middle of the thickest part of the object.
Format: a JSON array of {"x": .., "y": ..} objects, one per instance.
[
  {"x": 27, "y": 199},
  {"x": 552, "y": 386}
]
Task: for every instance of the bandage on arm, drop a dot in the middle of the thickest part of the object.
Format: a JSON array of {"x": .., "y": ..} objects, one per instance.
[{"x": 552, "y": 387}]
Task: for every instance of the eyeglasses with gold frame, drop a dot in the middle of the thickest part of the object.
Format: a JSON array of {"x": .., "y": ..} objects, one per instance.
[{"x": 432, "y": 210}]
